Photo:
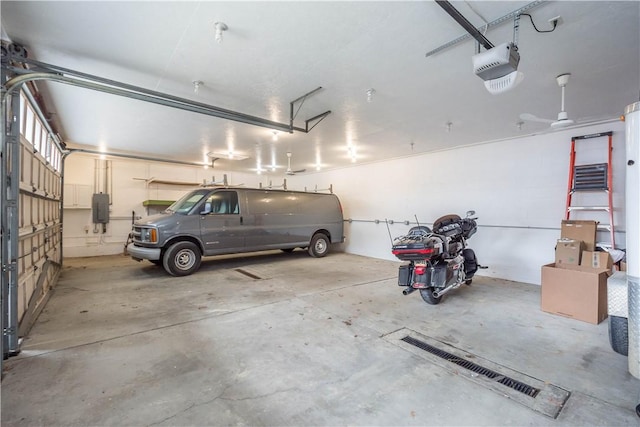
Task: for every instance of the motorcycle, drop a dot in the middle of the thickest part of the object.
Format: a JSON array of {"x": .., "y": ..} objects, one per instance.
[{"x": 439, "y": 260}]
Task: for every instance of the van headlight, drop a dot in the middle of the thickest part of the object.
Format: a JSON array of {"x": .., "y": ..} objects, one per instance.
[{"x": 149, "y": 235}]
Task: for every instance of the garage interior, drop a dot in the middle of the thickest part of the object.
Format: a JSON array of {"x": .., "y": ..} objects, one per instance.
[{"x": 377, "y": 102}]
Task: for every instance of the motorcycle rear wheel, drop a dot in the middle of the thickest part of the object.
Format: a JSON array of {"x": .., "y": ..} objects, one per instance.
[{"x": 428, "y": 297}]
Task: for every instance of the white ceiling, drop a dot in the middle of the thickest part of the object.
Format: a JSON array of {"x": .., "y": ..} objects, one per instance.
[{"x": 274, "y": 52}]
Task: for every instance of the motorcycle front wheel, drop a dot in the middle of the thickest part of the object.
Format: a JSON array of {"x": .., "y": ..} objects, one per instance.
[{"x": 428, "y": 297}]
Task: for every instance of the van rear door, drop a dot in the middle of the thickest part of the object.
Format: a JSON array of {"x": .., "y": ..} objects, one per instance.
[{"x": 220, "y": 223}]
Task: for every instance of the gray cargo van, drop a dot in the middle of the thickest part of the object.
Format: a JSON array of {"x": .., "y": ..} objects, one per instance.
[{"x": 227, "y": 220}]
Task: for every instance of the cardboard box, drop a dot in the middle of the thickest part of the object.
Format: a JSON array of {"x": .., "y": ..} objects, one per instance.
[
  {"x": 580, "y": 230},
  {"x": 568, "y": 252},
  {"x": 579, "y": 293},
  {"x": 623, "y": 266},
  {"x": 596, "y": 260}
]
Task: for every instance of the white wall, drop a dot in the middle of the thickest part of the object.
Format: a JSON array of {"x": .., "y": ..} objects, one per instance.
[
  {"x": 517, "y": 187},
  {"x": 127, "y": 191}
]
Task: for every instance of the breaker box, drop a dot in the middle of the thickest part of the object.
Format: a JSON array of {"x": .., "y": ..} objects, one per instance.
[{"x": 100, "y": 207}]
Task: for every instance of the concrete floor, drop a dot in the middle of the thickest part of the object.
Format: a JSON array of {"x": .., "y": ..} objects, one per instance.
[{"x": 122, "y": 343}]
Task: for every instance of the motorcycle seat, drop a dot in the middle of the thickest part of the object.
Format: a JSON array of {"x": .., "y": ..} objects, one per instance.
[{"x": 445, "y": 220}]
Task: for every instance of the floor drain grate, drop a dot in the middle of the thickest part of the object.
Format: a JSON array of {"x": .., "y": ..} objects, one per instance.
[
  {"x": 474, "y": 367},
  {"x": 538, "y": 395},
  {"x": 248, "y": 274}
]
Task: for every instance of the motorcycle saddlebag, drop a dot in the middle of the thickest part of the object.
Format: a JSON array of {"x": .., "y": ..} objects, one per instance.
[
  {"x": 404, "y": 274},
  {"x": 438, "y": 276},
  {"x": 430, "y": 276}
]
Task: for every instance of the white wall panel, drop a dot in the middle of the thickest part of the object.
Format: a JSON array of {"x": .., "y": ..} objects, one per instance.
[{"x": 517, "y": 187}]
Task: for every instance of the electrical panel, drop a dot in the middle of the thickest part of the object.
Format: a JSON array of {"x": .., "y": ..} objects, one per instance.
[{"x": 100, "y": 207}]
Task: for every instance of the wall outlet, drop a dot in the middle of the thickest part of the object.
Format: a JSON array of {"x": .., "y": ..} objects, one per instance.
[{"x": 556, "y": 19}]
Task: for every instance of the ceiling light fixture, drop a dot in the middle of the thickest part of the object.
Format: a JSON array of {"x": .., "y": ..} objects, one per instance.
[
  {"x": 370, "y": 93},
  {"x": 220, "y": 27},
  {"x": 196, "y": 85}
]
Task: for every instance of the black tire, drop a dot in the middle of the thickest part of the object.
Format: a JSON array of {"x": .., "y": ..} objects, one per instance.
[
  {"x": 619, "y": 334},
  {"x": 468, "y": 281},
  {"x": 428, "y": 297},
  {"x": 182, "y": 259},
  {"x": 319, "y": 245},
  {"x": 287, "y": 250}
]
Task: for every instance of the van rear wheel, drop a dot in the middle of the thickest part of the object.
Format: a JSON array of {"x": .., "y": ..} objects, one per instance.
[
  {"x": 319, "y": 245},
  {"x": 182, "y": 259}
]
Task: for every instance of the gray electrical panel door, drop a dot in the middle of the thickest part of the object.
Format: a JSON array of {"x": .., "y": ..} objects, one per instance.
[{"x": 100, "y": 207}]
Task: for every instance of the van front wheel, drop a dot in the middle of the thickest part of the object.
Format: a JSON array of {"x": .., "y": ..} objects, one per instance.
[
  {"x": 182, "y": 259},
  {"x": 319, "y": 245}
]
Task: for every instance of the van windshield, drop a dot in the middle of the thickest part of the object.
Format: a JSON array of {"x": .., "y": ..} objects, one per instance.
[{"x": 187, "y": 202}]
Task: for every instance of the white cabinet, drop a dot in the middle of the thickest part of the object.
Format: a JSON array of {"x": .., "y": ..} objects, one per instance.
[{"x": 77, "y": 196}]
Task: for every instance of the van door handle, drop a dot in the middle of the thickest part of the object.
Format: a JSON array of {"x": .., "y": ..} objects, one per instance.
[{"x": 241, "y": 220}]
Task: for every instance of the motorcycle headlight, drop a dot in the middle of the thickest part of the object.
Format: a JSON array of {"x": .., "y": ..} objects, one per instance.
[{"x": 149, "y": 235}]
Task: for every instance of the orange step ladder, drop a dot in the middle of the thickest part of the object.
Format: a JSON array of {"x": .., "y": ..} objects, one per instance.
[{"x": 596, "y": 177}]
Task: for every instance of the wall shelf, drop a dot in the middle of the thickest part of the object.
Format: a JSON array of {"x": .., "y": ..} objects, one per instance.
[
  {"x": 166, "y": 181},
  {"x": 157, "y": 202}
]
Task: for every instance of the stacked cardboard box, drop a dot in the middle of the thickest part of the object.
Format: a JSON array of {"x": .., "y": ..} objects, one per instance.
[{"x": 575, "y": 285}]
